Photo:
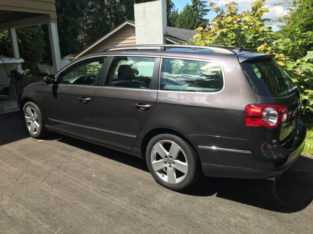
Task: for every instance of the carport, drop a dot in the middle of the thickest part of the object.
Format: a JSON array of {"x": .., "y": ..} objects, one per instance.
[{"x": 23, "y": 13}]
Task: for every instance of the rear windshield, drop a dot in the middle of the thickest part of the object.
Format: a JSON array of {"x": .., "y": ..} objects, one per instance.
[{"x": 267, "y": 78}]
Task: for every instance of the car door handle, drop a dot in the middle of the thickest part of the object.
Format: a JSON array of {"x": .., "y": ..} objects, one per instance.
[
  {"x": 84, "y": 99},
  {"x": 143, "y": 106}
]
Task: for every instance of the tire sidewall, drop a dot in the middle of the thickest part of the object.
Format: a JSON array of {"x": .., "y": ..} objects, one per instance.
[
  {"x": 40, "y": 119},
  {"x": 192, "y": 159}
]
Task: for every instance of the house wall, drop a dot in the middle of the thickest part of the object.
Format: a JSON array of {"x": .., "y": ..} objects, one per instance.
[
  {"x": 32, "y": 6},
  {"x": 126, "y": 36}
]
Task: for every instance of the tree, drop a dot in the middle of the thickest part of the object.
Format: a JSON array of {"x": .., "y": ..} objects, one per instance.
[
  {"x": 172, "y": 13},
  {"x": 231, "y": 28},
  {"x": 200, "y": 8},
  {"x": 193, "y": 15},
  {"x": 69, "y": 14},
  {"x": 298, "y": 29},
  {"x": 94, "y": 22},
  {"x": 31, "y": 45}
]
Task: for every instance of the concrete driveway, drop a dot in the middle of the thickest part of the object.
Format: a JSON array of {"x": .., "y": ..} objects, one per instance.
[{"x": 62, "y": 185}]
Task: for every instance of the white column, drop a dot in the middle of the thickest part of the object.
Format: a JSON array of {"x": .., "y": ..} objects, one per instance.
[
  {"x": 16, "y": 52},
  {"x": 54, "y": 45}
]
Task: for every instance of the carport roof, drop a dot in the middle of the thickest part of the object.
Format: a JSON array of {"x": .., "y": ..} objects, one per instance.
[{"x": 14, "y": 12}]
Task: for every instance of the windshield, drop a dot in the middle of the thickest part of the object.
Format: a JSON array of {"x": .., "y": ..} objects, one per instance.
[{"x": 267, "y": 78}]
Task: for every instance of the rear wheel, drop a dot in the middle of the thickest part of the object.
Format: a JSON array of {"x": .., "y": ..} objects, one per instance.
[
  {"x": 172, "y": 161},
  {"x": 33, "y": 120}
]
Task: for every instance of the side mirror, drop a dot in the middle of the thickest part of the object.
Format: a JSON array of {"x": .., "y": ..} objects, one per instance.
[{"x": 49, "y": 79}]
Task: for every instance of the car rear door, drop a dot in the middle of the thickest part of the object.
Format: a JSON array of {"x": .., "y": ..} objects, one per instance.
[
  {"x": 124, "y": 101},
  {"x": 69, "y": 100}
]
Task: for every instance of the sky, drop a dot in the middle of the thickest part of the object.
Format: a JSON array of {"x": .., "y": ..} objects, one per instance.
[{"x": 275, "y": 10}]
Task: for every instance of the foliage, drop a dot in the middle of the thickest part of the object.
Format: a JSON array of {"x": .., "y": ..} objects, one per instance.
[
  {"x": 69, "y": 14},
  {"x": 298, "y": 29},
  {"x": 172, "y": 13},
  {"x": 94, "y": 22},
  {"x": 308, "y": 149},
  {"x": 172, "y": 18},
  {"x": 192, "y": 15},
  {"x": 31, "y": 45},
  {"x": 5, "y": 44},
  {"x": 231, "y": 28},
  {"x": 302, "y": 71}
]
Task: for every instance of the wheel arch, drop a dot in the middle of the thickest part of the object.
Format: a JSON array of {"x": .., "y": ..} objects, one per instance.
[
  {"x": 29, "y": 99},
  {"x": 24, "y": 100},
  {"x": 157, "y": 131}
]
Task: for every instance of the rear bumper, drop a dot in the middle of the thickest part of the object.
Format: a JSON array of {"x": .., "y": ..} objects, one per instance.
[
  {"x": 251, "y": 173},
  {"x": 243, "y": 164}
]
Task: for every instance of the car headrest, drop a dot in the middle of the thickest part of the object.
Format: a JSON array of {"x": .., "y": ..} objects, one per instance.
[{"x": 125, "y": 72}]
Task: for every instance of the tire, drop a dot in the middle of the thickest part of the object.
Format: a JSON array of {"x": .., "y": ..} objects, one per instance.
[
  {"x": 34, "y": 120},
  {"x": 172, "y": 162}
]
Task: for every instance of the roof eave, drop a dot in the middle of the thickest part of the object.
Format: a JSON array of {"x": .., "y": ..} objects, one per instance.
[{"x": 104, "y": 38}]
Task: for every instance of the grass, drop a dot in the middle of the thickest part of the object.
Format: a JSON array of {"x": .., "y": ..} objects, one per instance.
[{"x": 308, "y": 150}]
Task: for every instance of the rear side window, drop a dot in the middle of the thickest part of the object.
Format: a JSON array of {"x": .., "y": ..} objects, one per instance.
[
  {"x": 190, "y": 75},
  {"x": 131, "y": 72},
  {"x": 267, "y": 78}
]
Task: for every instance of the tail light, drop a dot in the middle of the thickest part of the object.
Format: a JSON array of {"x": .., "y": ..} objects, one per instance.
[{"x": 269, "y": 116}]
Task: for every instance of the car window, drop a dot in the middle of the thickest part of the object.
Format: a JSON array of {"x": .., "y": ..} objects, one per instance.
[
  {"x": 190, "y": 75},
  {"x": 131, "y": 72},
  {"x": 82, "y": 73},
  {"x": 267, "y": 78}
]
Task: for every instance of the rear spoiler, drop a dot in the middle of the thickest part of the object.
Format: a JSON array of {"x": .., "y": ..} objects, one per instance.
[{"x": 252, "y": 57}]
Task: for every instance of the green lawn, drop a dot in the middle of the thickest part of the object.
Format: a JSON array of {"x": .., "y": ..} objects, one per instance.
[{"x": 308, "y": 150}]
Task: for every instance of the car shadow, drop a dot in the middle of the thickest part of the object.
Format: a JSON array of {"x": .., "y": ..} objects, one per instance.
[
  {"x": 102, "y": 151},
  {"x": 292, "y": 192},
  {"x": 12, "y": 128}
]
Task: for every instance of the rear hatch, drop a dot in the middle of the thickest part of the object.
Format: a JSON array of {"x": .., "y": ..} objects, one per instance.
[{"x": 274, "y": 86}]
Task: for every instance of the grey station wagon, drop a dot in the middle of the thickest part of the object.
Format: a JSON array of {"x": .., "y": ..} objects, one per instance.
[{"x": 187, "y": 110}]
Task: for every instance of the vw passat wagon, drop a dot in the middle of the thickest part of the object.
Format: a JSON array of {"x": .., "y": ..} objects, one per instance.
[{"x": 186, "y": 110}]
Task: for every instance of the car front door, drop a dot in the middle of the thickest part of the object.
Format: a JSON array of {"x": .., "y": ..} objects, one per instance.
[
  {"x": 122, "y": 104},
  {"x": 69, "y": 100}
]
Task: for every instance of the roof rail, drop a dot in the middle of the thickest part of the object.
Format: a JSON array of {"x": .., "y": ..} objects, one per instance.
[
  {"x": 241, "y": 49},
  {"x": 163, "y": 47}
]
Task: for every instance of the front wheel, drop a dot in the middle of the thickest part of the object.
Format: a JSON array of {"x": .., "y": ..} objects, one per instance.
[
  {"x": 33, "y": 120},
  {"x": 172, "y": 161}
]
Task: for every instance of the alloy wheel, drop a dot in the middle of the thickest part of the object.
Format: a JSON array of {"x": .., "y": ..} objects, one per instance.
[
  {"x": 31, "y": 120},
  {"x": 169, "y": 161}
]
